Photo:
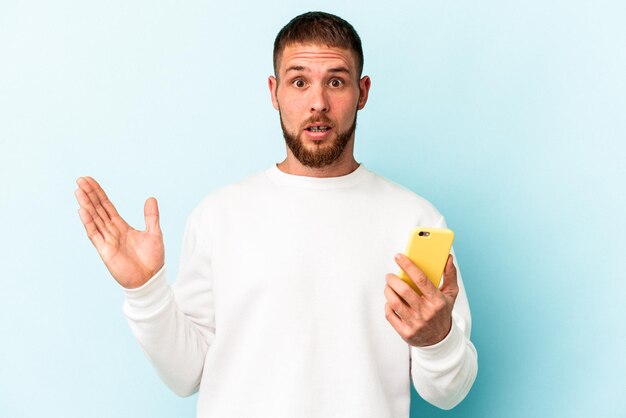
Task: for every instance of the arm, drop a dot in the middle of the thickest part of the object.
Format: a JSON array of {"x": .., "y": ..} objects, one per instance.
[
  {"x": 176, "y": 340},
  {"x": 437, "y": 326},
  {"x": 175, "y": 325}
]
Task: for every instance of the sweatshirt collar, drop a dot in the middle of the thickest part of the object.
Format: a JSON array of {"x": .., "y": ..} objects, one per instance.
[{"x": 279, "y": 177}]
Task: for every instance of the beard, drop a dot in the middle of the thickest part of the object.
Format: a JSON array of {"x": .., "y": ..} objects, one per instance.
[{"x": 321, "y": 154}]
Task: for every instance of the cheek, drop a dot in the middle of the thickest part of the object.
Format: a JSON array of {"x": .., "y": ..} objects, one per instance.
[
  {"x": 291, "y": 103},
  {"x": 292, "y": 109},
  {"x": 348, "y": 108}
]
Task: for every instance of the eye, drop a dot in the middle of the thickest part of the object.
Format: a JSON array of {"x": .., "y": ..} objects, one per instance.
[
  {"x": 299, "y": 83},
  {"x": 335, "y": 82}
]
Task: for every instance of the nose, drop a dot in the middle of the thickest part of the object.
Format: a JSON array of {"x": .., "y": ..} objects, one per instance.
[{"x": 319, "y": 99}]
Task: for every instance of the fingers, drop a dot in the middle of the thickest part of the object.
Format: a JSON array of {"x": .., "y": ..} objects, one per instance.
[
  {"x": 421, "y": 320},
  {"x": 99, "y": 217},
  {"x": 103, "y": 198},
  {"x": 450, "y": 284},
  {"x": 88, "y": 200},
  {"x": 89, "y": 215},
  {"x": 416, "y": 275},
  {"x": 151, "y": 216},
  {"x": 93, "y": 233},
  {"x": 400, "y": 296},
  {"x": 394, "y": 319},
  {"x": 97, "y": 197}
]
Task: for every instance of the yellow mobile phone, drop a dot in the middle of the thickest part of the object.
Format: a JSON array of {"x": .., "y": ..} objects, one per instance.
[{"x": 428, "y": 248}]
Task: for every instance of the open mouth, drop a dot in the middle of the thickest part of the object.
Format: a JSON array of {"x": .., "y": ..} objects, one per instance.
[{"x": 318, "y": 128}]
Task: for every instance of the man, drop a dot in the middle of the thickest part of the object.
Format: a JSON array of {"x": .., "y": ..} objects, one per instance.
[{"x": 280, "y": 308}]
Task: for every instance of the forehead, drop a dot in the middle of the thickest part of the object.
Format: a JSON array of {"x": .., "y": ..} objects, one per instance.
[{"x": 314, "y": 55}]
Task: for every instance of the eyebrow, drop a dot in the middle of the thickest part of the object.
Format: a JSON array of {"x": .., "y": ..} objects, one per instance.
[
  {"x": 331, "y": 70},
  {"x": 339, "y": 70},
  {"x": 295, "y": 68}
]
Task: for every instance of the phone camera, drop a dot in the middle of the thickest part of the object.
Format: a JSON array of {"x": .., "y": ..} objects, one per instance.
[{"x": 424, "y": 233}]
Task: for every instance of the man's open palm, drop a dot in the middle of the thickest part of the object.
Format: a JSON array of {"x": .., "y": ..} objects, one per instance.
[{"x": 131, "y": 256}]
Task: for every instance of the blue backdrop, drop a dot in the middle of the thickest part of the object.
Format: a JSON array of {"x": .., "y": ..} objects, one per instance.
[{"x": 508, "y": 116}]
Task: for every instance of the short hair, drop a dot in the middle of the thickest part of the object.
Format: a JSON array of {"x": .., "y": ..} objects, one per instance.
[{"x": 322, "y": 29}]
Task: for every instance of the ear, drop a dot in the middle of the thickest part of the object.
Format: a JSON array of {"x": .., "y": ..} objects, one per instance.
[
  {"x": 272, "y": 83},
  {"x": 364, "y": 88}
]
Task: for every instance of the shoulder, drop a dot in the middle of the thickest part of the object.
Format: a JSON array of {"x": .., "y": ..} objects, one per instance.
[
  {"x": 235, "y": 193},
  {"x": 402, "y": 196}
]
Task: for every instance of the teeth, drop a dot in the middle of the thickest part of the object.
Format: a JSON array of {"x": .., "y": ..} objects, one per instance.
[{"x": 318, "y": 128}]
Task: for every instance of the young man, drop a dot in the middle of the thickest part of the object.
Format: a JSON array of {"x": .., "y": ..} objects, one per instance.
[{"x": 283, "y": 306}]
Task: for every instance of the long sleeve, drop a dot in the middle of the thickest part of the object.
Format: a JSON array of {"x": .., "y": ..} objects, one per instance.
[
  {"x": 444, "y": 373},
  {"x": 175, "y": 325},
  {"x": 279, "y": 265}
]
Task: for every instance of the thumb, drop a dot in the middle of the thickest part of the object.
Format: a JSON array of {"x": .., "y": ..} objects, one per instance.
[
  {"x": 450, "y": 284},
  {"x": 151, "y": 216}
]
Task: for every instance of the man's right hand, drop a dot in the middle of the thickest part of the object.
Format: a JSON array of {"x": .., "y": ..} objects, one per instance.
[{"x": 131, "y": 256}]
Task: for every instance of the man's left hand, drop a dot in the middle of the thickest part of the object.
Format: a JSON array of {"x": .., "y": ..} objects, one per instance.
[{"x": 426, "y": 319}]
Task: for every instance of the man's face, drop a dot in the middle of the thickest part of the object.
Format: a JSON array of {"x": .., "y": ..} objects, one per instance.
[{"x": 318, "y": 93}]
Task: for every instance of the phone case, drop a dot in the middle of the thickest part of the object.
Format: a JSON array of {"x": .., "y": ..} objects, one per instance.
[{"x": 428, "y": 248}]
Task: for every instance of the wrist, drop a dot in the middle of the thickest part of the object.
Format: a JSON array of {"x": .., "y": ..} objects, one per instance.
[
  {"x": 138, "y": 278},
  {"x": 442, "y": 349},
  {"x": 148, "y": 299}
]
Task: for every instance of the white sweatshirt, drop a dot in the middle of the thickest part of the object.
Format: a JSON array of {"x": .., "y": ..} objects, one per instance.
[{"x": 278, "y": 308}]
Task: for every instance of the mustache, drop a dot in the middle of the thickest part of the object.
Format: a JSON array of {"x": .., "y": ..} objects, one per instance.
[{"x": 318, "y": 119}]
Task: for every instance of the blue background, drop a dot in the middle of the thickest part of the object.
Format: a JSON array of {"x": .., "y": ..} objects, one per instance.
[{"x": 508, "y": 116}]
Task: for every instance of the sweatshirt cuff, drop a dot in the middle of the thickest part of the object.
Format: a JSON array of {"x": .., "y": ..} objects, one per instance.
[
  {"x": 148, "y": 299},
  {"x": 445, "y": 350}
]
